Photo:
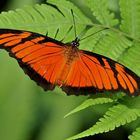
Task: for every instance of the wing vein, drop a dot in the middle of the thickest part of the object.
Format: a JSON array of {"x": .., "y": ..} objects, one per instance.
[{"x": 89, "y": 71}]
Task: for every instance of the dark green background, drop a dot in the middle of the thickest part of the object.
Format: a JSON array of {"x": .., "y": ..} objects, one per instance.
[{"x": 29, "y": 113}]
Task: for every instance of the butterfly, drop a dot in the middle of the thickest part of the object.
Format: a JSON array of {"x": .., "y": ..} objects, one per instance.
[{"x": 53, "y": 63}]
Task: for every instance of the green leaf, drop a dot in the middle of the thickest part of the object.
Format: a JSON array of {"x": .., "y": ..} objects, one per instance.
[
  {"x": 131, "y": 57},
  {"x": 46, "y": 19},
  {"x": 130, "y": 13},
  {"x": 88, "y": 103},
  {"x": 116, "y": 116},
  {"x": 135, "y": 135},
  {"x": 101, "y": 12},
  {"x": 113, "y": 50},
  {"x": 122, "y": 49}
]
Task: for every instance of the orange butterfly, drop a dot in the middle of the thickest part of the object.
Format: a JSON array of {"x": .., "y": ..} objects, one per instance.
[{"x": 50, "y": 62}]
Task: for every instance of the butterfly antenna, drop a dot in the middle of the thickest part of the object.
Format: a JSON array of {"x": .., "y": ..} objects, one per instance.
[
  {"x": 74, "y": 25},
  {"x": 94, "y": 33}
]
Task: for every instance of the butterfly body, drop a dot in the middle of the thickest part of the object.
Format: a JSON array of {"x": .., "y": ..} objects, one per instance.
[
  {"x": 50, "y": 62},
  {"x": 71, "y": 54}
]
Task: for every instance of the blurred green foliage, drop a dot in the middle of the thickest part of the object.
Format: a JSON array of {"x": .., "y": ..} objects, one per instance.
[{"x": 29, "y": 113}]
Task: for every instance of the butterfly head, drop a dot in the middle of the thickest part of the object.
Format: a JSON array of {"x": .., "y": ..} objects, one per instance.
[{"x": 75, "y": 43}]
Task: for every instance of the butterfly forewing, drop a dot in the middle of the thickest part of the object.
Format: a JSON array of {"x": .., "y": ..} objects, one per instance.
[{"x": 39, "y": 56}]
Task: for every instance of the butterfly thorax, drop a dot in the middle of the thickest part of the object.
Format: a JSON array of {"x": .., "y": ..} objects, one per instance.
[{"x": 71, "y": 52}]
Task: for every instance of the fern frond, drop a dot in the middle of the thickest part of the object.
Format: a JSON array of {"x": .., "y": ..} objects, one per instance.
[
  {"x": 131, "y": 57},
  {"x": 130, "y": 14},
  {"x": 115, "y": 46},
  {"x": 46, "y": 19},
  {"x": 88, "y": 103},
  {"x": 88, "y": 38},
  {"x": 101, "y": 12},
  {"x": 116, "y": 116},
  {"x": 135, "y": 135},
  {"x": 115, "y": 49},
  {"x": 102, "y": 43}
]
